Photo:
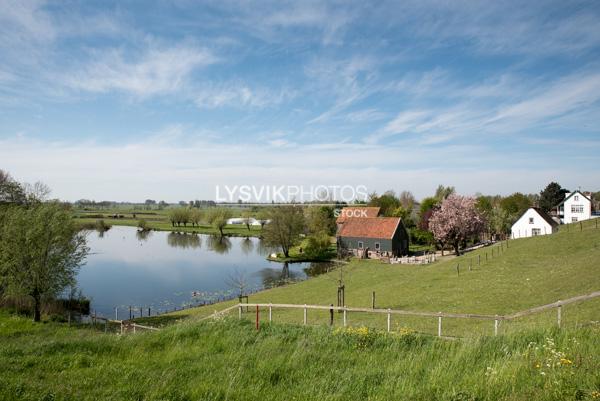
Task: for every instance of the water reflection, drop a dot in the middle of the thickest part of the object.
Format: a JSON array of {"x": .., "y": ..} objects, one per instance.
[
  {"x": 274, "y": 277},
  {"x": 219, "y": 244},
  {"x": 143, "y": 235},
  {"x": 317, "y": 268},
  {"x": 247, "y": 246},
  {"x": 184, "y": 240}
]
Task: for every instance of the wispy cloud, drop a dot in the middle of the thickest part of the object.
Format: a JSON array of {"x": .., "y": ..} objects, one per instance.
[
  {"x": 156, "y": 71},
  {"x": 238, "y": 94}
]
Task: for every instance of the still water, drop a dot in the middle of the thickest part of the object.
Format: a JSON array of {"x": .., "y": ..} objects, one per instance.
[{"x": 162, "y": 270}]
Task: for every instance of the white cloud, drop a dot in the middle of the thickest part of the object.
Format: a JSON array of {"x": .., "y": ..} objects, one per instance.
[
  {"x": 157, "y": 71},
  {"x": 237, "y": 94}
]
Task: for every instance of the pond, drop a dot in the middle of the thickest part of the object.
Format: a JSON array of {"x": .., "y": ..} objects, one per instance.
[{"x": 160, "y": 270}]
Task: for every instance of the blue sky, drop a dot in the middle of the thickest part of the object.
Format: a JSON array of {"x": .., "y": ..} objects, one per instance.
[{"x": 166, "y": 100}]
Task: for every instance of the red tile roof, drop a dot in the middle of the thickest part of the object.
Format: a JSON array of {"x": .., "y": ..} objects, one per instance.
[
  {"x": 368, "y": 227},
  {"x": 357, "y": 212}
]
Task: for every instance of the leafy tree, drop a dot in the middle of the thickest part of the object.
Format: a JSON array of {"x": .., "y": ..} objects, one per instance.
[
  {"x": 551, "y": 196},
  {"x": 11, "y": 192},
  {"x": 320, "y": 219},
  {"x": 515, "y": 205},
  {"x": 443, "y": 192},
  {"x": 387, "y": 203},
  {"x": 247, "y": 218},
  {"x": 425, "y": 212},
  {"x": 41, "y": 251},
  {"x": 317, "y": 245},
  {"x": 218, "y": 217},
  {"x": 287, "y": 223},
  {"x": 456, "y": 220},
  {"x": 196, "y": 216}
]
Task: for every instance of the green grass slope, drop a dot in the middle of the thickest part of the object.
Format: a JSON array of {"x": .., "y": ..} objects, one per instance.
[
  {"x": 531, "y": 272},
  {"x": 230, "y": 360}
]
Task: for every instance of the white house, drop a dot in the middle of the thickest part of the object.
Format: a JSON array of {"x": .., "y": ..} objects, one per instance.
[
  {"x": 533, "y": 222},
  {"x": 575, "y": 207}
]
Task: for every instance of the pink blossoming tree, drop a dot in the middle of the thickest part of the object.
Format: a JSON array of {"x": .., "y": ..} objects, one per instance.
[{"x": 456, "y": 220}]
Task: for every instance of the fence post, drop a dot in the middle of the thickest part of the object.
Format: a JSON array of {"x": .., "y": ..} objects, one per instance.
[
  {"x": 240, "y": 311},
  {"x": 134, "y": 328},
  {"x": 559, "y": 313},
  {"x": 129, "y": 312},
  {"x": 496, "y": 326},
  {"x": 373, "y": 300},
  {"x": 344, "y": 316},
  {"x": 389, "y": 320},
  {"x": 331, "y": 315},
  {"x": 440, "y": 325},
  {"x": 270, "y": 313},
  {"x": 257, "y": 327},
  {"x": 305, "y": 314},
  {"x": 121, "y": 328}
]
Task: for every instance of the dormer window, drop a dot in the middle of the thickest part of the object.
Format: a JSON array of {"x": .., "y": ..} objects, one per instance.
[
  {"x": 576, "y": 198},
  {"x": 531, "y": 220}
]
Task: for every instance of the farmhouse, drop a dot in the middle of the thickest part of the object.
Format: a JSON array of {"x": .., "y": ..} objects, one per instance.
[
  {"x": 382, "y": 235},
  {"x": 532, "y": 223},
  {"x": 576, "y": 207}
]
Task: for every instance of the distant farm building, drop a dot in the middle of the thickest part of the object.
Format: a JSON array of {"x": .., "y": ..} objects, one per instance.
[
  {"x": 532, "y": 223},
  {"x": 384, "y": 236}
]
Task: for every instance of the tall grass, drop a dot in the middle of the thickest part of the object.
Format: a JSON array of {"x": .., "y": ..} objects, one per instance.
[{"x": 230, "y": 360}]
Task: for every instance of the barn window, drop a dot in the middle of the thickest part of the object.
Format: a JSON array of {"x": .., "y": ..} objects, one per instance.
[
  {"x": 360, "y": 245},
  {"x": 377, "y": 246},
  {"x": 531, "y": 220},
  {"x": 536, "y": 231}
]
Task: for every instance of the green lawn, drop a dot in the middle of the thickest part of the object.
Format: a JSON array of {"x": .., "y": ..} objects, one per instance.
[
  {"x": 531, "y": 272},
  {"x": 230, "y": 360}
]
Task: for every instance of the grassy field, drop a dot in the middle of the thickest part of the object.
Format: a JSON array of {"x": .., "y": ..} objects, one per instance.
[
  {"x": 530, "y": 272},
  {"x": 230, "y": 360},
  {"x": 161, "y": 223}
]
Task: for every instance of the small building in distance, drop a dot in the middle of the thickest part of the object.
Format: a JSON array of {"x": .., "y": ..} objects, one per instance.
[
  {"x": 576, "y": 207},
  {"x": 532, "y": 223},
  {"x": 384, "y": 236}
]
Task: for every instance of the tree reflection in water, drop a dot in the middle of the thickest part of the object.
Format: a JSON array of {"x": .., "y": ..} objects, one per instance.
[
  {"x": 247, "y": 246},
  {"x": 276, "y": 277},
  {"x": 317, "y": 268},
  {"x": 143, "y": 235},
  {"x": 219, "y": 244},
  {"x": 184, "y": 240}
]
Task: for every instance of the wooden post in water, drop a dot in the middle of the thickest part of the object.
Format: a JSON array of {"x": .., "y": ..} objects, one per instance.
[
  {"x": 389, "y": 320},
  {"x": 440, "y": 325},
  {"x": 129, "y": 312},
  {"x": 148, "y": 312}
]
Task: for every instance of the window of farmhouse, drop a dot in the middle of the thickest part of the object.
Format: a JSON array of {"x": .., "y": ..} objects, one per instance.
[
  {"x": 576, "y": 208},
  {"x": 360, "y": 245},
  {"x": 531, "y": 220},
  {"x": 536, "y": 231},
  {"x": 576, "y": 198},
  {"x": 573, "y": 219},
  {"x": 377, "y": 246}
]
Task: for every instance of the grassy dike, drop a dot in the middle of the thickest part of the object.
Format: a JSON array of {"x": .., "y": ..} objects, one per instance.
[
  {"x": 531, "y": 272},
  {"x": 230, "y": 360}
]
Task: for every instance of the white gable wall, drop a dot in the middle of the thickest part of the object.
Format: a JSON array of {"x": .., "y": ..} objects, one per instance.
[
  {"x": 576, "y": 208},
  {"x": 526, "y": 227}
]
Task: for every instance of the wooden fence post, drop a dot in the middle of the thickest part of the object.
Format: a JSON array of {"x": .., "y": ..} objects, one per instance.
[
  {"x": 389, "y": 320},
  {"x": 240, "y": 311},
  {"x": 344, "y": 316},
  {"x": 496, "y": 326},
  {"x": 331, "y": 315},
  {"x": 559, "y": 314},
  {"x": 373, "y": 300},
  {"x": 270, "y": 313},
  {"x": 257, "y": 327},
  {"x": 305, "y": 314},
  {"x": 440, "y": 325}
]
